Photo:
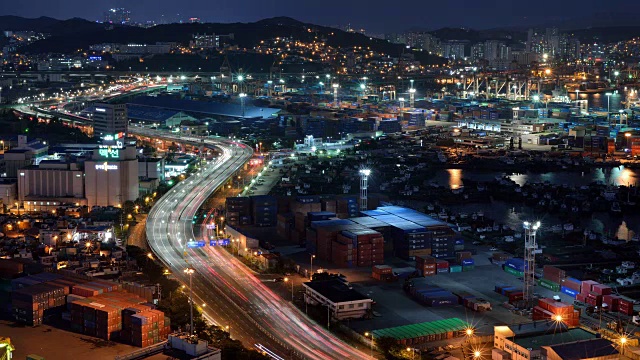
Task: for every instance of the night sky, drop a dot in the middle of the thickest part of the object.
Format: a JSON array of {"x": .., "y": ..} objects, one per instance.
[{"x": 374, "y": 15}]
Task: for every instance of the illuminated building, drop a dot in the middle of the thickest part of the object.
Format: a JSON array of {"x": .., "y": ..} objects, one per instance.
[
  {"x": 111, "y": 176},
  {"x": 109, "y": 119}
]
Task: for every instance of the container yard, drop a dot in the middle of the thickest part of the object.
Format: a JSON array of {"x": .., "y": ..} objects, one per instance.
[{"x": 96, "y": 308}]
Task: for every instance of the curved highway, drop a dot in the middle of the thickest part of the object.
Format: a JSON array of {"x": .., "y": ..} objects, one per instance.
[{"x": 231, "y": 294}]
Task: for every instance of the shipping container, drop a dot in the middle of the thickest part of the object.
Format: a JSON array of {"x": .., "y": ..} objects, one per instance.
[{"x": 569, "y": 291}]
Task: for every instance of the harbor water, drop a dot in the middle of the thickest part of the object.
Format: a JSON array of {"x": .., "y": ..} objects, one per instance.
[{"x": 513, "y": 214}]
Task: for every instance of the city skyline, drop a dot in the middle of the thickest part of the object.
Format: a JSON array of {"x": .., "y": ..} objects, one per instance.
[{"x": 376, "y": 17}]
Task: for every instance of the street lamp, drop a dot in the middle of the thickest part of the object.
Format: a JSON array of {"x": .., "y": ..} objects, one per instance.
[
  {"x": 287, "y": 280},
  {"x": 311, "y": 272},
  {"x": 413, "y": 352},
  {"x": 368, "y": 334},
  {"x": 190, "y": 272},
  {"x": 477, "y": 354}
]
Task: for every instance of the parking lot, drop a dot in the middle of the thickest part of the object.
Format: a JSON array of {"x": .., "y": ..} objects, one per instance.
[{"x": 394, "y": 307}]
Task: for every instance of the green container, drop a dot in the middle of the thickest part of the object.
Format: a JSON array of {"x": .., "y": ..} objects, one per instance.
[
  {"x": 548, "y": 284},
  {"x": 468, "y": 268},
  {"x": 513, "y": 271},
  {"x": 455, "y": 268}
]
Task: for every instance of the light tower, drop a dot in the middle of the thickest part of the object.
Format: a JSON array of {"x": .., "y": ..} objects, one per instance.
[
  {"x": 335, "y": 94},
  {"x": 530, "y": 249},
  {"x": 242, "y": 96},
  {"x": 412, "y": 97},
  {"x": 364, "y": 184}
]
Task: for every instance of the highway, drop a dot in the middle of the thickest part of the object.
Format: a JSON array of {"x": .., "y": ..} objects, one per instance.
[{"x": 233, "y": 295}]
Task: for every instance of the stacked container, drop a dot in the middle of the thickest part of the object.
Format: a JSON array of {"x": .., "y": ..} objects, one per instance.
[
  {"x": 442, "y": 266},
  {"x": 571, "y": 286},
  {"x": 549, "y": 309},
  {"x": 286, "y": 222},
  {"x": 264, "y": 210},
  {"x": 465, "y": 259},
  {"x": 367, "y": 244},
  {"x": 625, "y": 307},
  {"x": 426, "y": 265},
  {"x": 382, "y": 272},
  {"x": 548, "y": 284},
  {"x": 553, "y": 274},
  {"x": 237, "y": 207},
  {"x": 347, "y": 206},
  {"x": 29, "y": 303}
]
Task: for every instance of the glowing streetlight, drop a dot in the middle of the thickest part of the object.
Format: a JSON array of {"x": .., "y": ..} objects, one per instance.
[
  {"x": 477, "y": 354},
  {"x": 547, "y": 71},
  {"x": 311, "y": 271},
  {"x": 190, "y": 272},
  {"x": 370, "y": 335}
]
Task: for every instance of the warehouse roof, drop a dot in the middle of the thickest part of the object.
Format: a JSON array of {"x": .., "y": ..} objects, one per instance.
[
  {"x": 422, "y": 329},
  {"x": 585, "y": 349},
  {"x": 205, "y": 107},
  {"x": 561, "y": 337},
  {"x": 149, "y": 113},
  {"x": 335, "y": 290}
]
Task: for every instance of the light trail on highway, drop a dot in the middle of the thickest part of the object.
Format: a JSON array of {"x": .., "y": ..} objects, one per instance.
[{"x": 233, "y": 295}]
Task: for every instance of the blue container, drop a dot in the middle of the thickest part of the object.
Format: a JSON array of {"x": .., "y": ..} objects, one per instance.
[
  {"x": 507, "y": 289},
  {"x": 320, "y": 215},
  {"x": 467, "y": 262},
  {"x": 570, "y": 292},
  {"x": 459, "y": 242},
  {"x": 574, "y": 280},
  {"x": 515, "y": 263}
]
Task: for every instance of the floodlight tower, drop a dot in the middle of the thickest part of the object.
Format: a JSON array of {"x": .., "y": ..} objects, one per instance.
[
  {"x": 530, "y": 250},
  {"x": 335, "y": 94},
  {"x": 412, "y": 97},
  {"x": 364, "y": 184}
]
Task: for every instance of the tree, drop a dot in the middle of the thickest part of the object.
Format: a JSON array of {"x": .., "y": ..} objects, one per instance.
[{"x": 388, "y": 345}]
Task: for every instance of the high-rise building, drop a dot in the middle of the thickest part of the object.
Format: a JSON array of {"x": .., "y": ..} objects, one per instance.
[
  {"x": 454, "y": 49},
  {"x": 120, "y": 16},
  {"x": 109, "y": 119}
]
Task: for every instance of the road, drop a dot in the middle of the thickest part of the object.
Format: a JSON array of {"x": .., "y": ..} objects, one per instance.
[{"x": 232, "y": 294}]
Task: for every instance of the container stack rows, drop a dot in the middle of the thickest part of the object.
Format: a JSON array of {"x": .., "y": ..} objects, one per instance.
[
  {"x": 470, "y": 301},
  {"x": 432, "y": 295},
  {"x": 514, "y": 266},
  {"x": 513, "y": 293},
  {"x": 119, "y": 315},
  {"x": 264, "y": 210},
  {"x": 237, "y": 208},
  {"x": 367, "y": 246}
]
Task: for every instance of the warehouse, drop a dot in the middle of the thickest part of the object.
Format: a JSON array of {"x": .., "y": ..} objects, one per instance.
[
  {"x": 601, "y": 349},
  {"x": 200, "y": 109},
  {"x": 344, "y": 302},
  {"x": 414, "y": 233},
  {"x": 525, "y": 341},
  {"x": 424, "y": 332}
]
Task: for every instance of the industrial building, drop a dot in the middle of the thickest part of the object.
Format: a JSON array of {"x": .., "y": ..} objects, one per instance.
[
  {"x": 51, "y": 183},
  {"x": 111, "y": 175},
  {"x": 339, "y": 297},
  {"x": 157, "y": 117},
  {"x": 525, "y": 341},
  {"x": 594, "y": 349}
]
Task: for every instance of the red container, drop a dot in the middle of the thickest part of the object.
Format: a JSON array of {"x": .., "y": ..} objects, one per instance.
[
  {"x": 442, "y": 264},
  {"x": 625, "y": 307},
  {"x": 587, "y": 286},
  {"x": 601, "y": 289},
  {"x": 582, "y": 298}
]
